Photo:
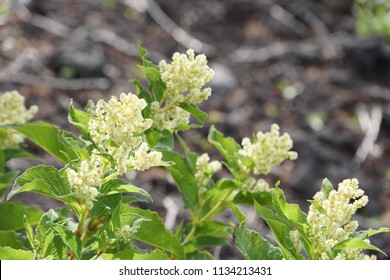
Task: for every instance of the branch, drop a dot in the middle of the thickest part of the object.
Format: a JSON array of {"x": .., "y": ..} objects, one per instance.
[
  {"x": 42, "y": 22},
  {"x": 371, "y": 127}
]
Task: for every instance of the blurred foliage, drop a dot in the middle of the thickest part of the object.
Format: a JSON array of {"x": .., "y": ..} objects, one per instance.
[
  {"x": 372, "y": 17},
  {"x": 5, "y": 7}
]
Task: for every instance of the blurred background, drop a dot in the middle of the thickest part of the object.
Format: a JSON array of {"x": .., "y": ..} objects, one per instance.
[{"x": 318, "y": 68}]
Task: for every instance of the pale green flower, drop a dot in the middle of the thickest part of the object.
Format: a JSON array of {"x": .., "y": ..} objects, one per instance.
[
  {"x": 329, "y": 219},
  {"x": 120, "y": 121},
  {"x": 205, "y": 169},
  {"x": 266, "y": 151},
  {"x": 86, "y": 180},
  {"x": 13, "y": 111},
  {"x": 126, "y": 233},
  {"x": 254, "y": 186},
  {"x": 144, "y": 158},
  {"x": 185, "y": 78},
  {"x": 295, "y": 238},
  {"x": 169, "y": 117},
  {"x": 185, "y": 73}
]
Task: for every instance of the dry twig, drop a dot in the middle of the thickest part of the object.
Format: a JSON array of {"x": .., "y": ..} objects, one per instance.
[
  {"x": 43, "y": 22},
  {"x": 371, "y": 126},
  {"x": 314, "y": 47}
]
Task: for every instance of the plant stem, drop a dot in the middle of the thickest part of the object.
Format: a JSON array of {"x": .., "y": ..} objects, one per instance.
[
  {"x": 113, "y": 175},
  {"x": 190, "y": 235},
  {"x": 206, "y": 217},
  {"x": 80, "y": 227},
  {"x": 216, "y": 206},
  {"x": 98, "y": 254}
]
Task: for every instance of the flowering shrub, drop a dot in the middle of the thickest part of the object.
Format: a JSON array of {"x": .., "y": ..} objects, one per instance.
[{"x": 135, "y": 132}]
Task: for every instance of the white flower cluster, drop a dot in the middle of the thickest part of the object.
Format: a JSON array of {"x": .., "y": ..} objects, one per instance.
[
  {"x": 87, "y": 179},
  {"x": 205, "y": 169},
  {"x": 125, "y": 234},
  {"x": 13, "y": 111},
  {"x": 117, "y": 128},
  {"x": 329, "y": 220},
  {"x": 255, "y": 186},
  {"x": 185, "y": 78},
  {"x": 267, "y": 150},
  {"x": 295, "y": 238}
]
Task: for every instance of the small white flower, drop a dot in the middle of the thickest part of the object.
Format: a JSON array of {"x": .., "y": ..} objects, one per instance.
[
  {"x": 295, "y": 239},
  {"x": 205, "y": 169},
  {"x": 335, "y": 225},
  {"x": 125, "y": 234},
  {"x": 13, "y": 111},
  {"x": 267, "y": 150},
  {"x": 87, "y": 179},
  {"x": 120, "y": 121},
  {"x": 185, "y": 78}
]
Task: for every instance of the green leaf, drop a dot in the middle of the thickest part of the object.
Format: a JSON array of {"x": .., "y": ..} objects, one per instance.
[
  {"x": 16, "y": 153},
  {"x": 204, "y": 242},
  {"x": 45, "y": 180},
  {"x": 190, "y": 156},
  {"x": 151, "y": 70},
  {"x": 7, "y": 253},
  {"x": 2, "y": 161},
  {"x": 51, "y": 139},
  {"x": 228, "y": 147},
  {"x": 12, "y": 215},
  {"x": 71, "y": 240},
  {"x": 80, "y": 119},
  {"x": 250, "y": 243},
  {"x": 104, "y": 205},
  {"x": 254, "y": 247},
  {"x": 280, "y": 228},
  {"x": 120, "y": 186},
  {"x": 326, "y": 188},
  {"x": 220, "y": 192},
  {"x": 291, "y": 215},
  {"x": 214, "y": 229},
  {"x": 318, "y": 207},
  {"x": 29, "y": 232},
  {"x": 199, "y": 115},
  {"x": 143, "y": 54},
  {"x": 51, "y": 244},
  {"x": 202, "y": 255},
  {"x": 10, "y": 239},
  {"x": 372, "y": 232},
  {"x": 54, "y": 247},
  {"x": 159, "y": 139},
  {"x": 6, "y": 179},
  {"x": 291, "y": 212},
  {"x": 246, "y": 198},
  {"x": 354, "y": 243},
  {"x": 156, "y": 85},
  {"x": 145, "y": 95},
  {"x": 153, "y": 232},
  {"x": 184, "y": 177}
]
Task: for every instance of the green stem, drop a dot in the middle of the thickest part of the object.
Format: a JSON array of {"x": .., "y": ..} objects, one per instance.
[
  {"x": 98, "y": 254},
  {"x": 205, "y": 218},
  {"x": 80, "y": 227},
  {"x": 215, "y": 208},
  {"x": 190, "y": 235},
  {"x": 113, "y": 175}
]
